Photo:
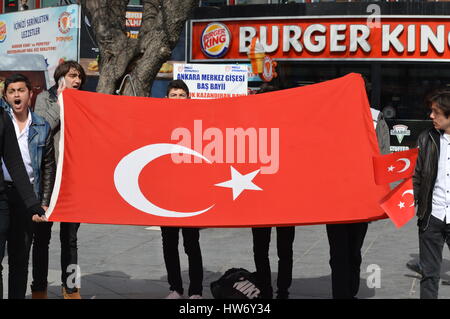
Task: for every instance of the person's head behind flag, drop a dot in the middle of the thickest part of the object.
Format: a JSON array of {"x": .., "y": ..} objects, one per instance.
[
  {"x": 177, "y": 89},
  {"x": 265, "y": 87}
]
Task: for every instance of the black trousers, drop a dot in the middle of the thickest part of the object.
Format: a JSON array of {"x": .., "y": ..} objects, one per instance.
[
  {"x": 69, "y": 254},
  {"x": 431, "y": 244},
  {"x": 4, "y": 227},
  {"x": 261, "y": 241},
  {"x": 20, "y": 235},
  {"x": 345, "y": 242},
  {"x": 191, "y": 245}
]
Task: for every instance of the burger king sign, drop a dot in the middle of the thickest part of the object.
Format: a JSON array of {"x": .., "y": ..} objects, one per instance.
[
  {"x": 2, "y": 31},
  {"x": 215, "y": 40}
]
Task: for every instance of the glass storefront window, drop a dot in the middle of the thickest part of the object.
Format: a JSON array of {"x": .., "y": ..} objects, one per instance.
[
  {"x": 397, "y": 89},
  {"x": 404, "y": 87},
  {"x": 293, "y": 74},
  {"x": 29, "y": 4},
  {"x": 55, "y": 3},
  {"x": 50, "y": 3},
  {"x": 210, "y": 3},
  {"x": 252, "y": 1}
]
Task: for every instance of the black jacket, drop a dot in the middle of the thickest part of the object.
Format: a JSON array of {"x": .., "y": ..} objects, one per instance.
[
  {"x": 425, "y": 174},
  {"x": 10, "y": 152}
]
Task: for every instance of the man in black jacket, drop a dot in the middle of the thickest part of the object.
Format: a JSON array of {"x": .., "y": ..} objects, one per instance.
[
  {"x": 431, "y": 182},
  {"x": 10, "y": 154},
  {"x": 36, "y": 147}
]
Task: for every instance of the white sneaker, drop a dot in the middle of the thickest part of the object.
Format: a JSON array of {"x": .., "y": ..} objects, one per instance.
[
  {"x": 174, "y": 295},
  {"x": 195, "y": 297}
]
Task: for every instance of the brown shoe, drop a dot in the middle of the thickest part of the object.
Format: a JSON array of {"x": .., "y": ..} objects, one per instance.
[
  {"x": 72, "y": 295},
  {"x": 39, "y": 294}
]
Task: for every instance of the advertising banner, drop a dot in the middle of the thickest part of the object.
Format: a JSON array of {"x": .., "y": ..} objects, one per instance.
[
  {"x": 385, "y": 38},
  {"x": 213, "y": 81},
  {"x": 52, "y": 32}
]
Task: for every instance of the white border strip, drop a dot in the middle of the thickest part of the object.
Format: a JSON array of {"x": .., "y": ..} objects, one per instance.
[
  {"x": 57, "y": 185},
  {"x": 323, "y": 17}
]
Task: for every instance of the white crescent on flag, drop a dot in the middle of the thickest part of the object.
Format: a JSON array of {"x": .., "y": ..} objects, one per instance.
[
  {"x": 409, "y": 191},
  {"x": 127, "y": 172},
  {"x": 407, "y": 164}
]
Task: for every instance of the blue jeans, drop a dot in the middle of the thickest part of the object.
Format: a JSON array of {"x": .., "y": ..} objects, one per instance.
[{"x": 4, "y": 226}]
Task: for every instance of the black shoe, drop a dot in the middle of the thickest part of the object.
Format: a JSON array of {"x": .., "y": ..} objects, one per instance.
[
  {"x": 282, "y": 295},
  {"x": 414, "y": 266}
]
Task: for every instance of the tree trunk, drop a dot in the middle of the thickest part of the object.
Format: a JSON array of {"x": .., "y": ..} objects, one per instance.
[{"x": 136, "y": 62}]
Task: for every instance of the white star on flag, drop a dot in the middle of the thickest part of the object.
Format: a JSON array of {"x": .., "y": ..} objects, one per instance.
[
  {"x": 391, "y": 168},
  {"x": 238, "y": 182},
  {"x": 401, "y": 205}
]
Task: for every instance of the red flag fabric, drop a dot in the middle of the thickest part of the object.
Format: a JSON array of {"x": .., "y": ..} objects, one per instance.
[
  {"x": 395, "y": 166},
  {"x": 291, "y": 157},
  {"x": 399, "y": 204}
]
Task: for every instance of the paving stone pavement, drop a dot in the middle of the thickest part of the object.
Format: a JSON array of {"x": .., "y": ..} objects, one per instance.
[{"x": 126, "y": 262}]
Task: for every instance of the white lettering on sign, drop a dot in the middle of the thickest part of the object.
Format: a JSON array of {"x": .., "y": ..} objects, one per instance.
[
  {"x": 273, "y": 46},
  {"x": 391, "y": 38},
  {"x": 411, "y": 38},
  {"x": 427, "y": 36},
  {"x": 246, "y": 34},
  {"x": 359, "y": 34},
  {"x": 336, "y": 36},
  {"x": 320, "y": 40},
  {"x": 293, "y": 33}
]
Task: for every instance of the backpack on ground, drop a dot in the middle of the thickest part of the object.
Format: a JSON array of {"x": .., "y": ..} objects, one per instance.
[{"x": 236, "y": 283}]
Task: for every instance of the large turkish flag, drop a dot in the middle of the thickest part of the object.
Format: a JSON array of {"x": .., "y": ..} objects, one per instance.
[{"x": 291, "y": 157}]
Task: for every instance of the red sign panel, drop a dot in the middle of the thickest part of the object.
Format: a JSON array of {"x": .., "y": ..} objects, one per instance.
[{"x": 414, "y": 38}]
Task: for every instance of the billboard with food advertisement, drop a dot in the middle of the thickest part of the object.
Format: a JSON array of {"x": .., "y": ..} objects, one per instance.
[{"x": 51, "y": 32}]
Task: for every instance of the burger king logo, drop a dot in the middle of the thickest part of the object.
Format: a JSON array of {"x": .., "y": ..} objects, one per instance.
[
  {"x": 2, "y": 31},
  {"x": 215, "y": 40},
  {"x": 64, "y": 22}
]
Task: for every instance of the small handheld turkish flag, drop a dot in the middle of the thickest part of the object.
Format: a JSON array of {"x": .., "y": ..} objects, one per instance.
[
  {"x": 393, "y": 167},
  {"x": 399, "y": 204}
]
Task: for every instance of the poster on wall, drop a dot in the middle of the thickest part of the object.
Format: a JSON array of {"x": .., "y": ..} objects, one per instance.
[
  {"x": 213, "y": 81},
  {"x": 51, "y": 32}
]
